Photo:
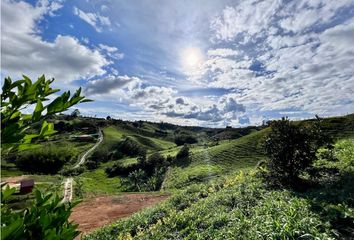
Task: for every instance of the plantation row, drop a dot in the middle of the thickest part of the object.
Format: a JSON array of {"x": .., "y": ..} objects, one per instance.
[{"x": 237, "y": 208}]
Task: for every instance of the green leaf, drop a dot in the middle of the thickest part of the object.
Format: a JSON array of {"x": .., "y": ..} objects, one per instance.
[
  {"x": 37, "y": 111},
  {"x": 7, "y": 193},
  {"x": 11, "y": 230}
]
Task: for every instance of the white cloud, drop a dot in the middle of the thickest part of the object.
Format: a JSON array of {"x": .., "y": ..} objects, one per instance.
[
  {"x": 112, "y": 52},
  {"x": 97, "y": 21},
  {"x": 222, "y": 52},
  {"x": 300, "y": 15},
  {"x": 246, "y": 19},
  {"x": 308, "y": 70},
  {"x": 25, "y": 52},
  {"x": 109, "y": 84}
]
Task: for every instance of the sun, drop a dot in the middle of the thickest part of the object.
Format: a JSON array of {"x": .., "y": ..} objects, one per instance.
[{"x": 191, "y": 58}]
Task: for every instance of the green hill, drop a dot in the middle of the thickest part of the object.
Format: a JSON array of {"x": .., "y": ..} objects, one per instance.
[
  {"x": 229, "y": 204},
  {"x": 211, "y": 162},
  {"x": 211, "y": 198}
]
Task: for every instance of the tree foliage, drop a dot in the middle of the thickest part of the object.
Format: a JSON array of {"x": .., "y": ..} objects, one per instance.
[
  {"x": 291, "y": 150},
  {"x": 22, "y": 94},
  {"x": 183, "y": 152},
  {"x": 183, "y": 138},
  {"x": 47, "y": 218},
  {"x": 48, "y": 159}
]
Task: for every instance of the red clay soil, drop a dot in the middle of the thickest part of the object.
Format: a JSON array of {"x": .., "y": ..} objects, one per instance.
[{"x": 96, "y": 212}]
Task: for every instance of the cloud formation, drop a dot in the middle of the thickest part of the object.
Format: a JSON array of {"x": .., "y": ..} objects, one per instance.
[
  {"x": 261, "y": 59},
  {"x": 23, "y": 51},
  {"x": 96, "y": 20},
  {"x": 284, "y": 56}
]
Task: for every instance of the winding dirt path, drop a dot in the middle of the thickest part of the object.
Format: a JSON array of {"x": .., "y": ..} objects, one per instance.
[{"x": 68, "y": 183}]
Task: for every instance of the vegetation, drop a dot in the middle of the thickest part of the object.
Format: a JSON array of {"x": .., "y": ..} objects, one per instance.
[
  {"x": 183, "y": 152},
  {"x": 209, "y": 169},
  {"x": 17, "y": 95},
  {"x": 248, "y": 209},
  {"x": 291, "y": 150},
  {"x": 183, "y": 138},
  {"x": 47, "y": 217},
  {"x": 245, "y": 210},
  {"x": 48, "y": 160}
]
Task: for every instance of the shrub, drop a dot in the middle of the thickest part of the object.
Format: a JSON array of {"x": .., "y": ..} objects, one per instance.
[
  {"x": 137, "y": 179},
  {"x": 70, "y": 171},
  {"x": 48, "y": 159},
  {"x": 155, "y": 161},
  {"x": 101, "y": 154},
  {"x": 47, "y": 218},
  {"x": 183, "y": 152},
  {"x": 92, "y": 164},
  {"x": 120, "y": 169},
  {"x": 182, "y": 138},
  {"x": 131, "y": 148},
  {"x": 291, "y": 150}
]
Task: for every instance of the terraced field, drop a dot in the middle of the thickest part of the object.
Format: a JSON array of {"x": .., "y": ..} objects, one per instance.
[
  {"x": 207, "y": 163},
  {"x": 114, "y": 134}
]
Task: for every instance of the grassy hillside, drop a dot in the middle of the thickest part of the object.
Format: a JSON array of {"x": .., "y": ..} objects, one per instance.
[
  {"x": 115, "y": 134},
  {"x": 240, "y": 207},
  {"x": 210, "y": 180},
  {"x": 207, "y": 163},
  {"x": 337, "y": 127}
]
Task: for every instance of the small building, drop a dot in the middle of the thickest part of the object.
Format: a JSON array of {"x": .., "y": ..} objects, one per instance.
[
  {"x": 85, "y": 138},
  {"x": 26, "y": 186},
  {"x": 23, "y": 187}
]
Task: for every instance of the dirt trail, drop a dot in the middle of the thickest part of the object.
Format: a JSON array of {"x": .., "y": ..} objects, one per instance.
[
  {"x": 96, "y": 212},
  {"x": 167, "y": 175},
  {"x": 83, "y": 158},
  {"x": 68, "y": 190},
  {"x": 68, "y": 183}
]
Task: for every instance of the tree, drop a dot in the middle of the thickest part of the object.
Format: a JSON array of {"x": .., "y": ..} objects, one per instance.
[
  {"x": 47, "y": 217},
  {"x": 76, "y": 113},
  {"x": 183, "y": 138},
  {"x": 21, "y": 94},
  {"x": 183, "y": 152},
  {"x": 291, "y": 150}
]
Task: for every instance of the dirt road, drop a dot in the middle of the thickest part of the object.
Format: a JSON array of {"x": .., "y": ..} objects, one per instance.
[
  {"x": 96, "y": 212},
  {"x": 68, "y": 183}
]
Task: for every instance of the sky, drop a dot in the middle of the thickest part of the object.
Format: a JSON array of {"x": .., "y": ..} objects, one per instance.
[{"x": 190, "y": 62}]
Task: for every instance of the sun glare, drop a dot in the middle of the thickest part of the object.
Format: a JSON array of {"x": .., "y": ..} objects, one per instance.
[{"x": 191, "y": 58}]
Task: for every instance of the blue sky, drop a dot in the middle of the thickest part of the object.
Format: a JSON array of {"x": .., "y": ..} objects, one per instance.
[{"x": 201, "y": 62}]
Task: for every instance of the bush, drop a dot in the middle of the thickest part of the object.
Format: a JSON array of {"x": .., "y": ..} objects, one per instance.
[
  {"x": 183, "y": 152},
  {"x": 155, "y": 161},
  {"x": 47, "y": 218},
  {"x": 101, "y": 154},
  {"x": 91, "y": 164},
  {"x": 139, "y": 180},
  {"x": 131, "y": 148},
  {"x": 181, "y": 139},
  {"x": 291, "y": 150},
  {"x": 48, "y": 159},
  {"x": 120, "y": 169},
  {"x": 70, "y": 171}
]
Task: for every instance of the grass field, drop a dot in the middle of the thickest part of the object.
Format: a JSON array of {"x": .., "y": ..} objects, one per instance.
[
  {"x": 240, "y": 207},
  {"x": 207, "y": 163},
  {"x": 96, "y": 182},
  {"x": 114, "y": 134}
]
